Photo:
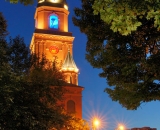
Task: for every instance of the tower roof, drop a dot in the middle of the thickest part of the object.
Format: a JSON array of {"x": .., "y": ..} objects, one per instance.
[
  {"x": 53, "y": 3},
  {"x": 69, "y": 64}
]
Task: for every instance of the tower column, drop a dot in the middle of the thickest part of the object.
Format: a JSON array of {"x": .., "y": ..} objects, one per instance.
[{"x": 52, "y": 39}]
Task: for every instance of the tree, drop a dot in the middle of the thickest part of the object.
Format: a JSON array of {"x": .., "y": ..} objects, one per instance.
[
  {"x": 24, "y": 2},
  {"x": 3, "y": 25},
  {"x": 125, "y": 16},
  {"x": 129, "y": 63},
  {"x": 33, "y": 105},
  {"x": 19, "y": 55},
  {"x": 35, "y": 94},
  {"x": 6, "y": 75},
  {"x": 77, "y": 124}
]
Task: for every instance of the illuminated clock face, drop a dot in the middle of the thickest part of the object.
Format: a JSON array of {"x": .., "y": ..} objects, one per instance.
[
  {"x": 53, "y": 22},
  {"x": 54, "y": 49}
]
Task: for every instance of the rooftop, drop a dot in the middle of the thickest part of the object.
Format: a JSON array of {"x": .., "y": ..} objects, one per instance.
[{"x": 53, "y": 3}]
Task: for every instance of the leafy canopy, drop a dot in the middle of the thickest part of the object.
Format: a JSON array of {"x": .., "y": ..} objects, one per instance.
[
  {"x": 24, "y": 2},
  {"x": 129, "y": 63},
  {"x": 30, "y": 93},
  {"x": 124, "y": 15}
]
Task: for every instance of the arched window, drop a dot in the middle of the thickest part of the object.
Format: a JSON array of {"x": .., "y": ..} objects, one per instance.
[
  {"x": 71, "y": 106},
  {"x": 53, "y": 21}
]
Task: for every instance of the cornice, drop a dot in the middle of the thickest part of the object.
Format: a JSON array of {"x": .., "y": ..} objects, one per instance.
[{"x": 53, "y": 37}]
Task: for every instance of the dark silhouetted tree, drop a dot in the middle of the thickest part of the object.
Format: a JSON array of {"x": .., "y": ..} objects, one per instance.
[{"x": 129, "y": 63}]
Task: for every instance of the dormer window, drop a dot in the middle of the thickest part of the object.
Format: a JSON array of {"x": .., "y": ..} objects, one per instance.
[{"x": 53, "y": 21}]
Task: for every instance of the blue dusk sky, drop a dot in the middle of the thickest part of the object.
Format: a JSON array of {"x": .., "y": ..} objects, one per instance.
[{"x": 20, "y": 21}]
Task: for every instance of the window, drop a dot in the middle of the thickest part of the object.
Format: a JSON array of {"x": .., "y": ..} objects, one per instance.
[
  {"x": 71, "y": 106},
  {"x": 53, "y": 21}
]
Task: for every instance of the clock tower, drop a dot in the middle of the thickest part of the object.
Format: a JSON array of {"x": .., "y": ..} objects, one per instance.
[{"x": 52, "y": 39}]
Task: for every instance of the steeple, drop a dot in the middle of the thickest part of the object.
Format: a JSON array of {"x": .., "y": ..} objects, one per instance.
[
  {"x": 52, "y": 39},
  {"x": 69, "y": 64},
  {"x": 70, "y": 69}
]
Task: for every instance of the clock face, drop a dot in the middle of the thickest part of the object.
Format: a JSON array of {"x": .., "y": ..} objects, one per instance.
[
  {"x": 53, "y": 49},
  {"x": 53, "y": 22}
]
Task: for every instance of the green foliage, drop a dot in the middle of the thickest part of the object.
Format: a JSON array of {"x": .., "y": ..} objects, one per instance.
[
  {"x": 124, "y": 15},
  {"x": 77, "y": 124},
  {"x": 6, "y": 76},
  {"x": 19, "y": 55},
  {"x": 129, "y": 63},
  {"x": 3, "y": 27},
  {"x": 24, "y": 2},
  {"x": 29, "y": 98}
]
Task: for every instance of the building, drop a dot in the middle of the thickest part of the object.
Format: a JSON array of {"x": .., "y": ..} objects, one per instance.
[
  {"x": 52, "y": 39},
  {"x": 144, "y": 128}
]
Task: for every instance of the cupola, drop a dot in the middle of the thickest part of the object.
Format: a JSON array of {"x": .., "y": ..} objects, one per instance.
[{"x": 53, "y": 3}]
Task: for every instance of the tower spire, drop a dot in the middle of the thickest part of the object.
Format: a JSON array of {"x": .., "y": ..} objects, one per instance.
[
  {"x": 69, "y": 64},
  {"x": 52, "y": 39}
]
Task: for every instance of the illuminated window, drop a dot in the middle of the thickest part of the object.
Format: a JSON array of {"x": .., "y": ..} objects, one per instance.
[
  {"x": 53, "y": 22},
  {"x": 71, "y": 106}
]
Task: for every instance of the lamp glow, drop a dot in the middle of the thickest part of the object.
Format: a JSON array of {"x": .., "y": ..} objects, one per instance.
[
  {"x": 96, "y": 123},
  {"x": 121, "y": 127}
]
